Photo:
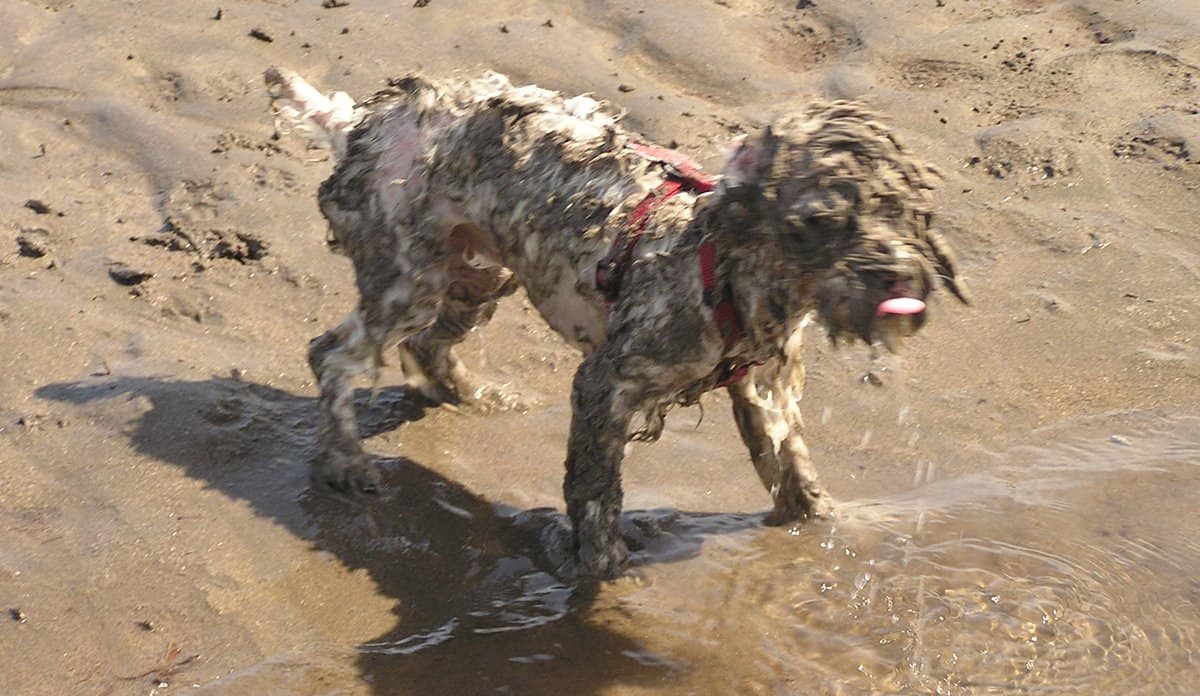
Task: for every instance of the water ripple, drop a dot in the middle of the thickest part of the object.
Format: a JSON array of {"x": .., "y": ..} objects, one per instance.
[{"x": 1063, "y": 569}]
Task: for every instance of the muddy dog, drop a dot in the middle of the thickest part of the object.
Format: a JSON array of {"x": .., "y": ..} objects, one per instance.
[{"x": 448, "y": 194}]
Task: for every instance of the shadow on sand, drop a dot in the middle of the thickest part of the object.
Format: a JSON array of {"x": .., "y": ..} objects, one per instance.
[{"x": 478, "y": 603}]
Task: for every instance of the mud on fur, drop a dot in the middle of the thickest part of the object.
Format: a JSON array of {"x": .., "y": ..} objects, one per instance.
[{"x": 449, "y": 194}]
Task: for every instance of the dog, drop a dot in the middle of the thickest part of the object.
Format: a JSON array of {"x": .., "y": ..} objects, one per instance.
[{"x": 449, "y": 194}]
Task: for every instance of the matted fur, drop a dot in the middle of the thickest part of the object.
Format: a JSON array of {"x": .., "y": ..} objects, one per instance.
[{"x": 447, "y": 194}]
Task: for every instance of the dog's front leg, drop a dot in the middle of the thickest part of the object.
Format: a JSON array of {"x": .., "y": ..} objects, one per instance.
[
  {"x": 766, "y": 407},
  {"x": 600, "y": 418}
]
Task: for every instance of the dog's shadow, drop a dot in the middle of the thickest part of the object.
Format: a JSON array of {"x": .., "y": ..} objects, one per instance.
[{"x": 480, "y": 599}]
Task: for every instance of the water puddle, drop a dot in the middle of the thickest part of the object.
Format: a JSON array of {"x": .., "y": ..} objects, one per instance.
[{"x": 1070, "y": 566}]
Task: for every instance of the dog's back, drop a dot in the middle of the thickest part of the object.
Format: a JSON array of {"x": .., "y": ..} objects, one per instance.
[{"x": 468, "y": 153}]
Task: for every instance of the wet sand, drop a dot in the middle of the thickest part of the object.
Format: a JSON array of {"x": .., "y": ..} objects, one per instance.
[{"x": 1016, "y": 501}]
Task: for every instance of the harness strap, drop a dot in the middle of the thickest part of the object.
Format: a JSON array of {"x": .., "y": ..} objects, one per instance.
[
  {"x": 610, "y": 270},
  {"x": 683, "y": 174},
  {"x": 685, "y": 168},
  {"x": 730, "y": 370}
]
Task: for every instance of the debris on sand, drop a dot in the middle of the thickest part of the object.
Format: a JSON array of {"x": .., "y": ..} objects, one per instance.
[
  {"x": 208, "y": 244},
  {"x": 261, "y": 35},
  {"x": 37, "y": 206},
  {"x": 238, "y": 247},
  {"x": 871, "y": 378},
  {"x": 124, "y": 275},
  {"x": 33, "y": 243},
  {"x": 334, "y": 4},
  {"x": 169, "y": 664},
  {"x": 421, "y": 3}
]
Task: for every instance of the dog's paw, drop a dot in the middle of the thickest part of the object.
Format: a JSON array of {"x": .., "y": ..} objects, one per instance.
[
  {"x": 349, "y": 473},
  {"x": 799, "y": 508},
  {"x": 602, "y": 563},
  {"x": 476, "y": 397},
  {"x": 459, "y": 389},
  {"x": 494, "y": 398}
]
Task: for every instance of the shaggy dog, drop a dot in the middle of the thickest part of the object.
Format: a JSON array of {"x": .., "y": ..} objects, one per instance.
[{"x": 447, "y": 194}]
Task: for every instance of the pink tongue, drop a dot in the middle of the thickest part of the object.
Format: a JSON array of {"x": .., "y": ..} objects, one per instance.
[{"x": 901, "y": 305}]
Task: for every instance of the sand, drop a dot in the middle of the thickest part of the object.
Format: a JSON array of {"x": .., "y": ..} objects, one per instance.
[{"x": 162, "y": 266}]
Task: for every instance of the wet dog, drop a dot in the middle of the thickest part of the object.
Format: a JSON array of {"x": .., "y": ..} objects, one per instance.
[{"x": 448, "y": 194}]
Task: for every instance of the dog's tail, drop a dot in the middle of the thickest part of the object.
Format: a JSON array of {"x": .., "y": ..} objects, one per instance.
[{"x": 300, "y": 108}]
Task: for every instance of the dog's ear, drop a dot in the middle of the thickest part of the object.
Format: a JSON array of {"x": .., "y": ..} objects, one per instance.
[
  {"x": 946, "y": 265},
  {"x": 748, "y": 162},
  {"x": 740, "y": 161}
]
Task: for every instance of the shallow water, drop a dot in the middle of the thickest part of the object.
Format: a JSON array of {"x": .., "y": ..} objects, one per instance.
[{"x": 1068, "y": 567}]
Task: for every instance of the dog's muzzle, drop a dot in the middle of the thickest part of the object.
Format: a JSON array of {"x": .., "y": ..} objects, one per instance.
[
  {"x": 873, "y": 310},
  {"x": 898, "y": 316}
]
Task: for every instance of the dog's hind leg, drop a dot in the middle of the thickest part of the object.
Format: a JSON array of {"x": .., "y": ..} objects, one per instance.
[
  {"x": 766, "y": 407},
  {"x": 428, "y": 358},
  {"x": 394, "y": 305},
  {"x": 336, "y": 356}
]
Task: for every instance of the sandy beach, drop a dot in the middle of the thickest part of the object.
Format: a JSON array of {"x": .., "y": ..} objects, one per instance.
[{"x": 1016, "y": 490}]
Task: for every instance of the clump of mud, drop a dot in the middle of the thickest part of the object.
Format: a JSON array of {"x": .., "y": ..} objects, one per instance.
[{"x": 193, "y": 209}]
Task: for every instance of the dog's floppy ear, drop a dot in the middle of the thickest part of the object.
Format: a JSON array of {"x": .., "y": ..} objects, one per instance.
[
  {"x": 946, "y": 265},
  {"x": 748, "y": 162}
]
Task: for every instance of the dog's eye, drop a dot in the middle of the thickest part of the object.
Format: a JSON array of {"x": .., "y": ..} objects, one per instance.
[{"x": 826, "y": 213}]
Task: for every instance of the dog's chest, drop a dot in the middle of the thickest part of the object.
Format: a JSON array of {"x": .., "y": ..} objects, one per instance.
[{"x": 557, "y": 270}]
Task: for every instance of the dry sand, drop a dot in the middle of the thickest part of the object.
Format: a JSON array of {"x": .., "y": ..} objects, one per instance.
[{"x": 162, "y": 267}]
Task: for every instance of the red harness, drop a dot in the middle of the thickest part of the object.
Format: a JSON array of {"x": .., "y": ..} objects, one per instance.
[{"x": 683, "y": 174}]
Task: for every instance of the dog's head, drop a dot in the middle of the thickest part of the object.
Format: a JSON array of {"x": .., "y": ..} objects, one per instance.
[{"x": 839, "y": 200}]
